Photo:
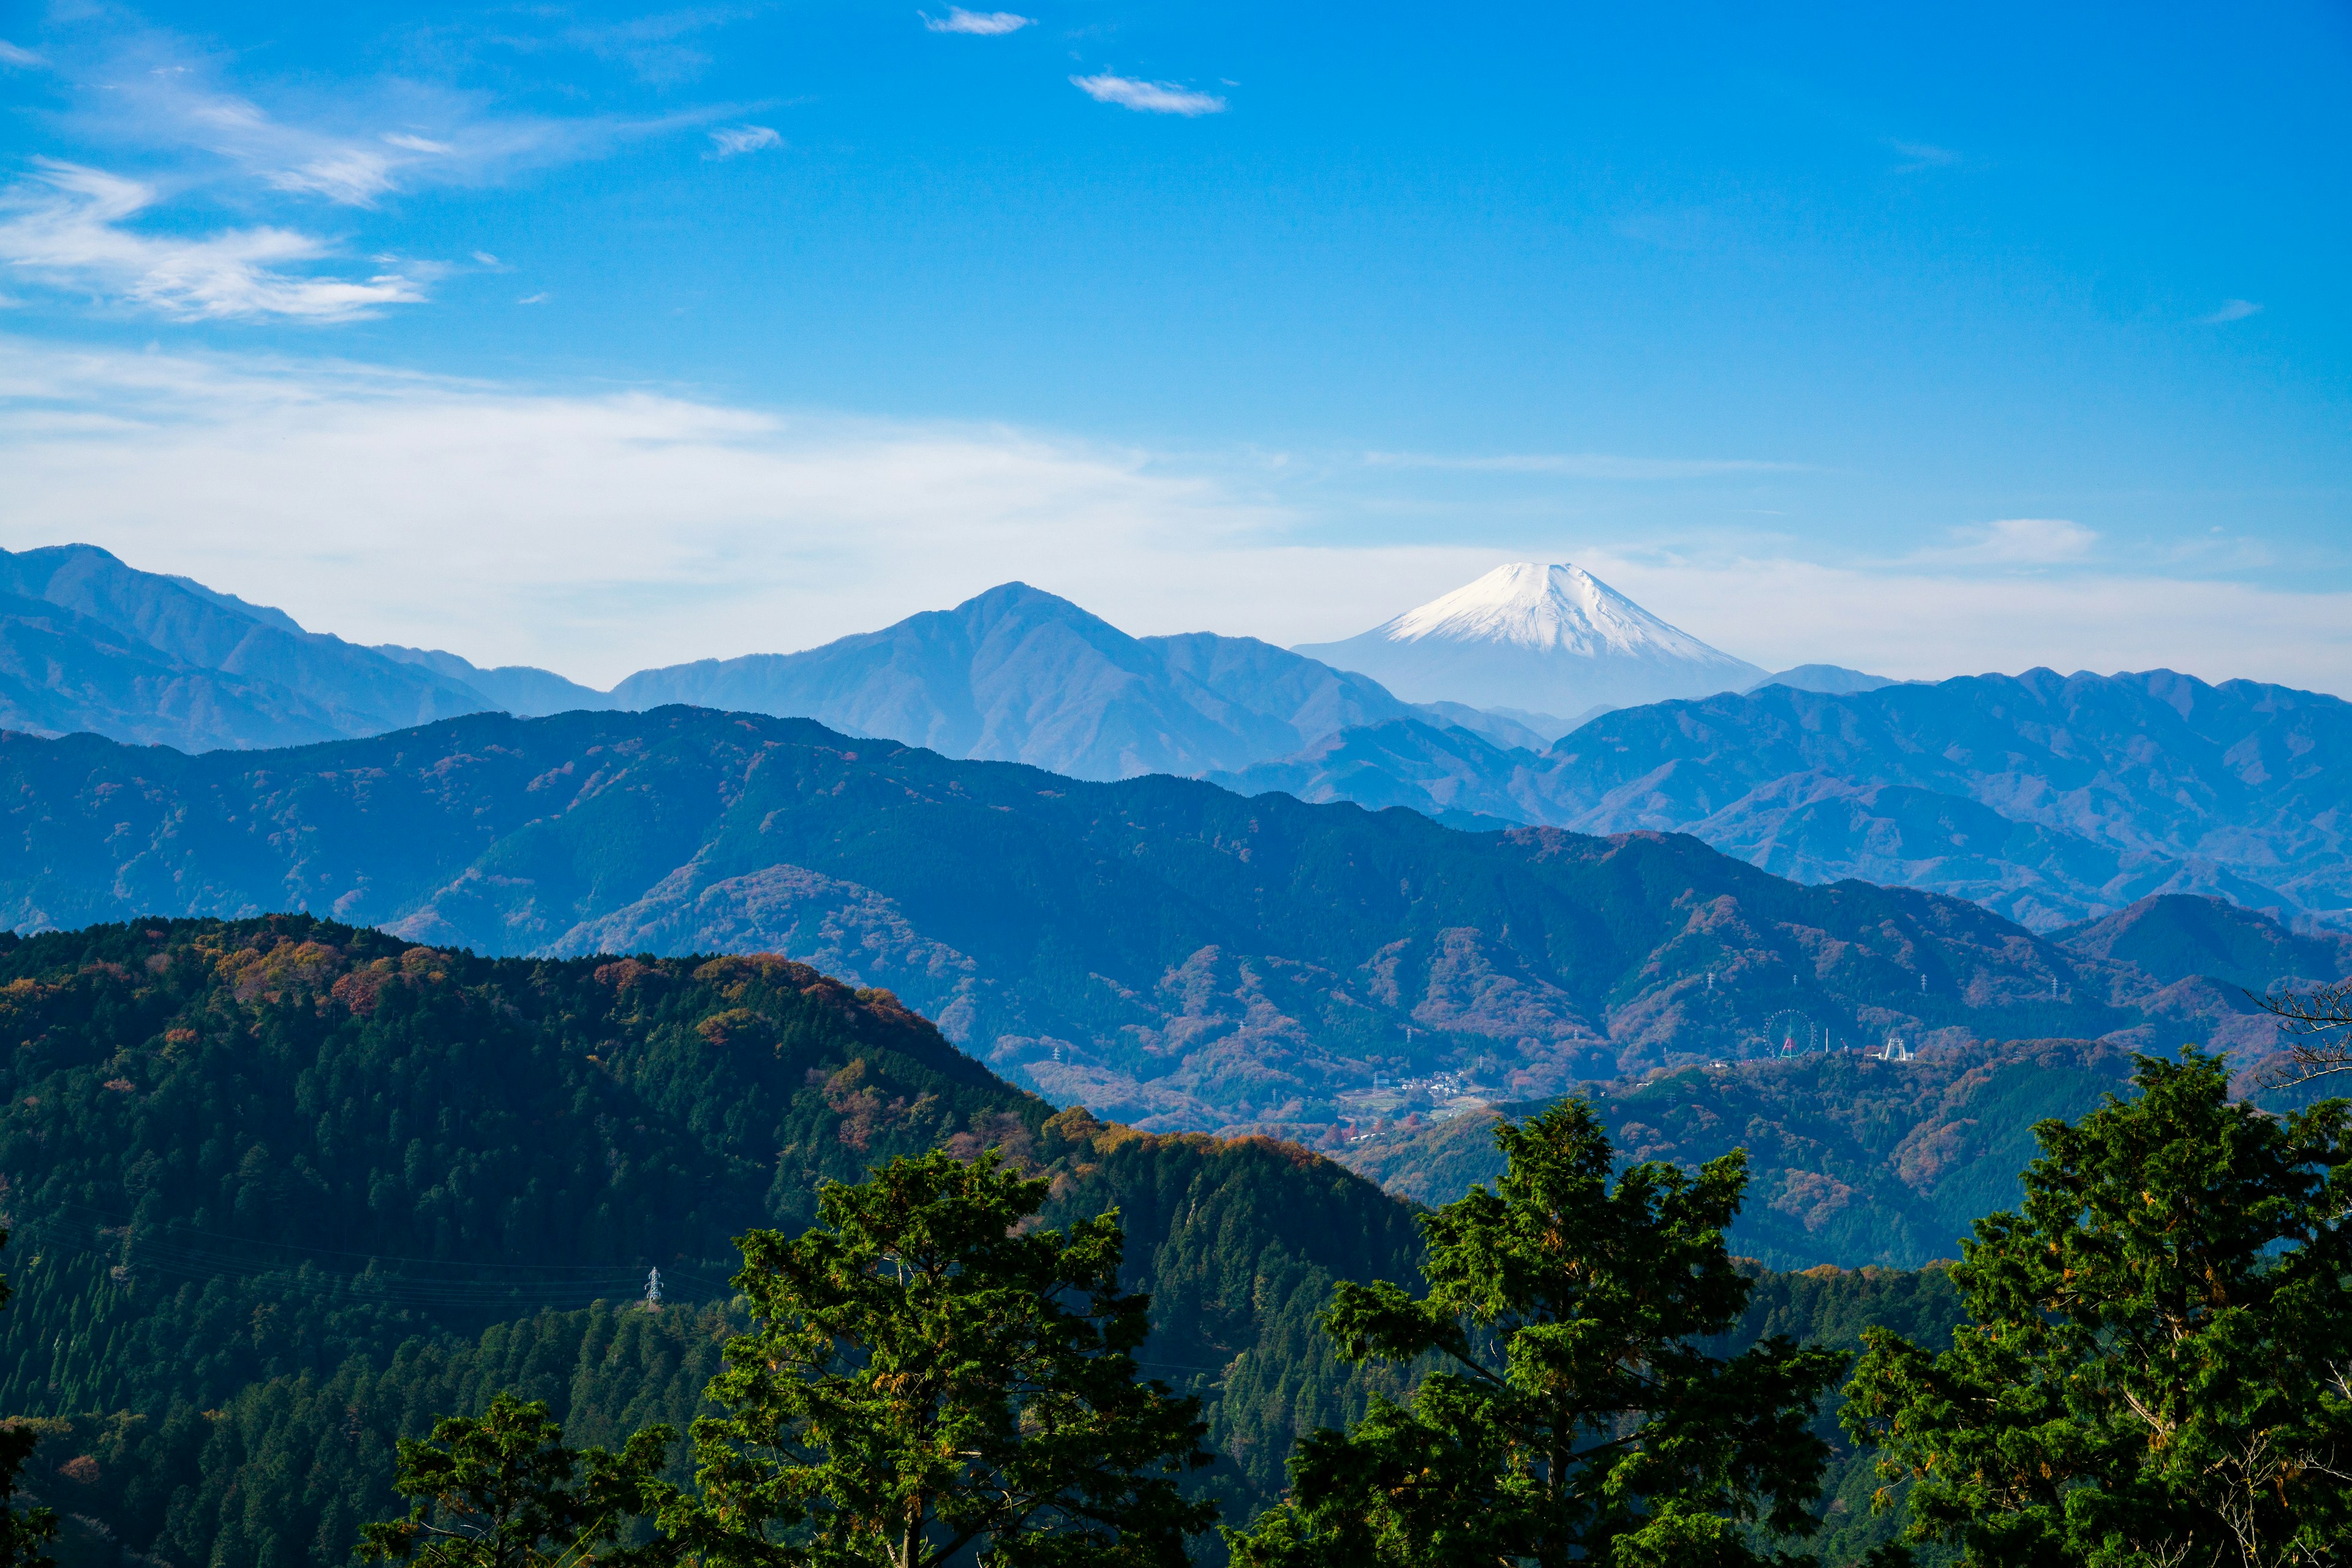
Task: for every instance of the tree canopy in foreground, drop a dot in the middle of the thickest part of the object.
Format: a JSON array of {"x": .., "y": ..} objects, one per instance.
[
  {"x": 2157, "y": 1368},
  {"x": 1570, "y": 1417},
  {"x": 930, "y": 1376}
]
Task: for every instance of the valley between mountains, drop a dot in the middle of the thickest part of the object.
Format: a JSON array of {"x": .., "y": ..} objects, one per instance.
[{"x": 1167, "y": 953}]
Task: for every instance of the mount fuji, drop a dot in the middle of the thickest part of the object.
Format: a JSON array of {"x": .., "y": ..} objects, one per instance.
[{"x": 1543, "y": 640}]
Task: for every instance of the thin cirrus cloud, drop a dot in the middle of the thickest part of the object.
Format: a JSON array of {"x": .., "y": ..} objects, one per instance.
[
  {"x": 11, "y": 54},
  {"x": 734, "y": 140},
  {"x": 2230, "y": 311},
  {"x": 1147, "y": 97},
  {"x": 149, "y": 92},
  {"x": 597, "y": 532},
  {"x": 2013, "y": 541},
  {"x": 978, "y": 23},
  {"x": 1919, "y": 156},
  {"x": 69, "y": 226},
  {"x": 1582, "y": 465}
]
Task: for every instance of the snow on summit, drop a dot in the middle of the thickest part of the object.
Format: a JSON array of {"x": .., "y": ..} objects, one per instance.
[
  {"x": 1537, "y": 606},
  {"x": 1549, "y": 640}
]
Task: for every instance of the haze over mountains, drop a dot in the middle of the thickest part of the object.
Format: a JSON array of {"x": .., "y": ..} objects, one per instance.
[
  {"x": 2050, "y": 799},
  {"x": 1158, "y": 949}
]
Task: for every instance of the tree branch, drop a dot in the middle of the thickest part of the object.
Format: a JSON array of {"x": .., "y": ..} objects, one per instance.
[{"x": 2308, "y": 1018}]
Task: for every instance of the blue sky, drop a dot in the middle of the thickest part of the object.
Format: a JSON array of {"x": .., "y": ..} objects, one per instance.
[{"x": 1970, "y": 337}]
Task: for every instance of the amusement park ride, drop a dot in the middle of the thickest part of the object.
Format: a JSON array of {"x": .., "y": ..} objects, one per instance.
[{"x": 1797, "y": 1035}]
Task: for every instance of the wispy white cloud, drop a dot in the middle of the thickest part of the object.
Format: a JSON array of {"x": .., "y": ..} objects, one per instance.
[
  {"x": 980, "y": 24},
  {"x": 1922, "y": 155},
  {"x": 11, "y": 54},
  {"x": 2230, "y": 311},
  {"x": 593, "y": 534},
  {"x": 1926, "y": 624},
  {"x": 1147, "y": 97},
  {"x": 538, "y": 299},
  {"x": 2013, "y": 541},
  {"x": 1581, "y": 465},
  {"x": 150, "y": 92},
  {"x": 730, "y": 141},
  {"x": 654, "y": 47},
  {"x": 599, "y": 533},
  {"x": 69, "y": 225}
]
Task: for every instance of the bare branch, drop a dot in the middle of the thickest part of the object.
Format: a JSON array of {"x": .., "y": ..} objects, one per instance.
[{"x": 2315, "y": 1024}]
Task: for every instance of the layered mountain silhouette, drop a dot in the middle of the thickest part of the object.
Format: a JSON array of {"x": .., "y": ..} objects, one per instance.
[
  {"x": 88, "y": 643},
  {"x": 1888, "y": 1163},
  {"x": 2051, "y": 798},
  {"x": 1019, "y": 675},
  {"x": 1158, "y": 948}
]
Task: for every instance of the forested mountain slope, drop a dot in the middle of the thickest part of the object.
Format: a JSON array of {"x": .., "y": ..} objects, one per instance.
[
  {"x": 2176, "y": 937},
  {"x": 1158, "y": 948},
  {"x": 1852, "y": 1160},
  {"x": 276, "y": 1153},
  {"x": 2050, "y": 798}
]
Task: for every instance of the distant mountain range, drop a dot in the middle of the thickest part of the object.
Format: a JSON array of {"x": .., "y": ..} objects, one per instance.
[
  {"x": 1158, "y": 949},
  {"x": 1542, "y": 641},
  {"x": 2051, "y": 798},
  {"x": 88, "y": 643},
  {"x": 1858, "y": 1160},
  {"x": 1017, "y": 675}
]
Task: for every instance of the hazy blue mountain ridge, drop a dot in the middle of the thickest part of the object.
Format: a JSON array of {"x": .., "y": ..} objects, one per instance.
[
  {"x": 2051, "y": 798},
  {"x": 1019, "y": 675},
  {"x": 1158, "y": 949},
  {"x": 87, "y": 643},
  {"x": 522, "y": 689},
  {"x": 1835, "y": 678}
]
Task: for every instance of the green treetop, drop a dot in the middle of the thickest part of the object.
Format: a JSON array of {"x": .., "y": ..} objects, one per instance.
[
  {"x": 23, "y": 1531},
  {"x": 1569, "y": 1417},
  {"x": 932, "y": 1376},
  {"x": 503, "y": 1492},
  {"x": 2156, "y": 1372}
]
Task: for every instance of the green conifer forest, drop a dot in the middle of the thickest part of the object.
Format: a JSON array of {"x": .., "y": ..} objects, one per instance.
[{"x": 283, "y": 1193}]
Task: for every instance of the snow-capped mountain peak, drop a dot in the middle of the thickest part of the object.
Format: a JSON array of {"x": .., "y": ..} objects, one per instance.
[
  {"x": 1535, "y": 607},
  {"x": 1544, "y": 639}
]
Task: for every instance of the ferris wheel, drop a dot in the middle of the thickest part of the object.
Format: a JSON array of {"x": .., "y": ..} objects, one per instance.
[{"x": 1790, "y": 1033}]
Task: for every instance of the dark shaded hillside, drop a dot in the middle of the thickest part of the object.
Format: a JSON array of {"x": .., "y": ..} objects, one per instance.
[
  {"x": 1851, "y": 1159},
  {"x": 2050, "y": 798},
  {"x": 249, "y": 1153},
  {"x": 1161, "y": 950}
]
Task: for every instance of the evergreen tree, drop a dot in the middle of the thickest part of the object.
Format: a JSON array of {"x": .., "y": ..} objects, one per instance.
[
  {"x": 23, "y": 1531},
  {"x": 503, "y": 1492},
  {"x": 930, "y": 1377},
  {"x": 1570, "y": 1417},
  {"x": 2157, "y": 1369}
]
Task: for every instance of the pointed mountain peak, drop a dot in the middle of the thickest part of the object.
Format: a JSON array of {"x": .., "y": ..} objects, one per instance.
[
  {"x": 1557, "y": 609},
  {"x": 1549, "y": 639}
]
